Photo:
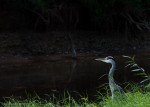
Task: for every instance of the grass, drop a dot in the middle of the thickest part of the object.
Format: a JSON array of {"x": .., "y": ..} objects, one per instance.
[
  {"x": 39, "y": 103},
  {"x": 135, "y": 98}
]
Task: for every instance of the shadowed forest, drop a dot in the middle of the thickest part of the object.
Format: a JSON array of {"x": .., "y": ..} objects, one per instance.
[
  {"x": 104, "y": 16},
  {"x": 40, "y": 27}
]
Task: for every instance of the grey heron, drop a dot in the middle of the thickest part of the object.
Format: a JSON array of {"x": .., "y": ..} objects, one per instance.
[{"x": 115, "y": 89}]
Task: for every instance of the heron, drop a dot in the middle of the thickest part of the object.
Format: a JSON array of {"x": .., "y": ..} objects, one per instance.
[{"x": 116, "y": 90}]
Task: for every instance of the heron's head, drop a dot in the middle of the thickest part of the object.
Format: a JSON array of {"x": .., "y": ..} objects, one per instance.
[{"x": 108, "y": 59}]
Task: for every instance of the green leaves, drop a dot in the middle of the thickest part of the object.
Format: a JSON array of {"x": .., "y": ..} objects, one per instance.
[
  {"x": 132, "y": 58},
  {"x": 137, "y": 69}
]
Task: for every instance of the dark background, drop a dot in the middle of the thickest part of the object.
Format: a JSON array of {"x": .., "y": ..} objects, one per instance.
[{"x": 88, "y": 21}]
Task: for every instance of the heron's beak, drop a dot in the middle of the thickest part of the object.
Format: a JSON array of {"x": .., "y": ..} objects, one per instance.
[{"x": 100, "y": 59}]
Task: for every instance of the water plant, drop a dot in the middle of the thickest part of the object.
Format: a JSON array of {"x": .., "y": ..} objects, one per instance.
[
  {"x": 66, "y": 101},
  {"x": 138, "y": 70},
  {"x": 136, "y": 97}
]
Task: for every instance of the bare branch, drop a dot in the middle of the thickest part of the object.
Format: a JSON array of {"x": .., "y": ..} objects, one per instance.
[{"x": 141, "y": 24}]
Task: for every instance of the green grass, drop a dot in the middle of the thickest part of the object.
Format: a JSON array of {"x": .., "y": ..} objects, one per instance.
[
  {"x": 134, "y": 98},
  {"x": 39, "y": 103}
]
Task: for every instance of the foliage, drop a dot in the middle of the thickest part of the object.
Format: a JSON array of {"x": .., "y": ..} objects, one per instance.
[
  {"x": 125, "y": 16},
  {"x": 135, "y": 98},
  {"x": 138, "y": 70},
  {"x": 67, "y": 101}
]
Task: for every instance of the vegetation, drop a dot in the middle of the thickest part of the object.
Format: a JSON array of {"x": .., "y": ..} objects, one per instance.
[
  {"x": 139, "y": 71},
  {"x": 124, "y": 18},
  {"x": 135, "y": 98},
  {"x": 113, "y": 16},
  {"x": 38, "y": 102}
]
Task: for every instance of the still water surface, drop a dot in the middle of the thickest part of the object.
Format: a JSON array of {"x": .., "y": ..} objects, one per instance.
[{"x": 44, "y": 76}]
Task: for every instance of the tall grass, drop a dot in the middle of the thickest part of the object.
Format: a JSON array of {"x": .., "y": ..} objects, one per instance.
[
  {"x": 134, "y": 98},
  {"x": 66, "y": 101}
]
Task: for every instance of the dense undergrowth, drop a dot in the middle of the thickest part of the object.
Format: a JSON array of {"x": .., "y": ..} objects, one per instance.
[{"x": 136, "y": 97}]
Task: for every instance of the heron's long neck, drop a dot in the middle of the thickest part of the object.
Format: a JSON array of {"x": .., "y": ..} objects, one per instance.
[{"x": 111, "y": 72}]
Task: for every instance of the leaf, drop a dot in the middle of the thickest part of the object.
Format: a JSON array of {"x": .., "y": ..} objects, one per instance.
[
  {"x": 144, "y": 80},
  {"x": 146, "y": 76},
  {"x": 136, "y": 70},
  {"x": 141, "y": 74},
  {"x": 134, "y": 65},
  {"x": 129, "y": 62},
  {"x": 128, "y": 65},
  {"x": 142, "y": 69},
  {"x": 133, "y": 57},
  {"x": 148, "y": 86},
  {"x": 126, "y": 56},
  {"x": 102, "y": 76}
]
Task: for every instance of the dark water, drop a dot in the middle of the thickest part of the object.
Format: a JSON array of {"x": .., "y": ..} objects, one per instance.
[{"x": 44, "y": 77}]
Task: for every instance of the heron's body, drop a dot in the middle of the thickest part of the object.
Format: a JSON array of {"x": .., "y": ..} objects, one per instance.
[{"x": 115, "y": 89}]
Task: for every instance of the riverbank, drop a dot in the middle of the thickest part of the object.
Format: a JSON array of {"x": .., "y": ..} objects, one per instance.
[
  {"x": 57, "y": 43},
  {"x": 54, "y": 46},
  {"x": 134, "y": 98}
]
